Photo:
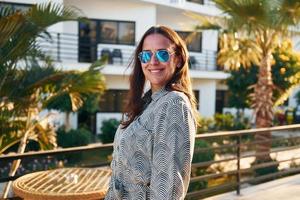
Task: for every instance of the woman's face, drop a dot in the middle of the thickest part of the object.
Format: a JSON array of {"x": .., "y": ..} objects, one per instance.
[{"x": 158, "y": 73}]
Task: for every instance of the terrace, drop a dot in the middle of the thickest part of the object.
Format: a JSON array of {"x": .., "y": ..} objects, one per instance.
[{"x": 221, "y": 164}]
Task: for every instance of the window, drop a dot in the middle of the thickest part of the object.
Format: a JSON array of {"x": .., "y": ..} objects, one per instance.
[
  {"x": 16, "y": 6},
  {"x": 116, "y": 32},
  {"x": 193, "y": 41},
  {"x": 113, "y": 101},
  {"x": 108, "y": 32},
  {"x": 221, "y": 100},
  {"x": 196, "y": 1},
  {"x": 103, "y": 31}
]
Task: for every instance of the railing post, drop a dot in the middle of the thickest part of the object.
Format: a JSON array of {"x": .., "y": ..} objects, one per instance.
[
  {"x": 238, "y": 175},
  {"x": 58, "y": 47}
]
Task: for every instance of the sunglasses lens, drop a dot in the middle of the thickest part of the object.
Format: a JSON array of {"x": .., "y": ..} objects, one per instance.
[
  {"x": 162, "y": 55},
  {"x": 145, "y": 56}
]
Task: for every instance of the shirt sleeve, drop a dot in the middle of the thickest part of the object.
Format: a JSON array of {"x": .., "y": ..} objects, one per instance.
[
  {"x": 173, "y": 144},
  {"x": 109, "y": 193}
]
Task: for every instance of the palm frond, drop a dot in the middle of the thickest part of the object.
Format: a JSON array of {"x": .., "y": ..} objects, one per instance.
[
  {"x": 242, "y": 13},
  {"x": 47, "y": 14},
  {"x": 98, "y": 64},
  {"x": 10, "y": 129},
  {"x": 236, "y": 52},
  {"x": 295, "y": 81},
  {"x": 60, "y": 102},
  {"x": 290, "y": 12},
  {"x": 9, "y": 24},
  {"x": 76, "y": 101},
  {"x": 205, "y": 22},
  {"x": 21, "y": 29},
  {"x": 45, "y": 135},
  {"x": 5, "y": 11}
]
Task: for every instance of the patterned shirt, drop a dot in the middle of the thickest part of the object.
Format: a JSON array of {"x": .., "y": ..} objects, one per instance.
[{"x": 152, "y": 156}]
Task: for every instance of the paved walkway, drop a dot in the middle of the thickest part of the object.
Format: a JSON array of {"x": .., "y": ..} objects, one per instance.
[{"x": 281, "y": 189}]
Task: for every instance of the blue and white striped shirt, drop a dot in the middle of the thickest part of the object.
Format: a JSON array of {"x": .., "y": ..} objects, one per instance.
[{"x": 152, "y": 156}]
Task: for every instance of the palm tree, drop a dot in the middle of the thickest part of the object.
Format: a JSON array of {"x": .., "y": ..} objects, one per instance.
[
  {"x": 80, "y": 85},
  {"x": 28, "y": 86},
  {"x": 250, "y": 31}
]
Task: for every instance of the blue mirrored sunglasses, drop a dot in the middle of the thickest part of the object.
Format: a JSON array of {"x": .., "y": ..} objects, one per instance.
[{"x": 162, "y": 55}]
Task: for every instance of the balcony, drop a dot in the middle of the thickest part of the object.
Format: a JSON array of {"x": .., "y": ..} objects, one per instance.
[
  {"x": 66, "y": 47},
  {"x": 229, "y": 170}
]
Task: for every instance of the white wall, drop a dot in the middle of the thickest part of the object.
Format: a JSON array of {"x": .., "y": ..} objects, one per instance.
[
  {"x": 116, "y": 10},
  {"x": 292, "y": 99},
  {"x": 176, "y": 19},
  {"x": 207, "y": 99},
  {"x": 57, "y": 119},
  {"x": 117, "y": 82}
]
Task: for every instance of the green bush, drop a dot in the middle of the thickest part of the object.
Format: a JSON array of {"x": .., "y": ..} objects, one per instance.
[
  {"x": 223, "y": 122},
  {"x": 73, "y": 138},
  {"x": 200, "y": 156},
  {"x": 265, "y": 170},
  {"x": 206, "y": 125},
  {"x": 108, "y": 130}
]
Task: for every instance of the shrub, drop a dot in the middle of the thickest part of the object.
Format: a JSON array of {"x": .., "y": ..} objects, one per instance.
[
  {"x": 200, "y": 156},
  {"x": 265, "y": 170},
  {"x": 223, "y": 122},
  {"x": 73, "y": 138},
  {"x": 108, "y": 130}
]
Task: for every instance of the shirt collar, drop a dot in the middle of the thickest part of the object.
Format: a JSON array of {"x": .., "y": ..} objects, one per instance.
[{"x": 158, "y": 94}]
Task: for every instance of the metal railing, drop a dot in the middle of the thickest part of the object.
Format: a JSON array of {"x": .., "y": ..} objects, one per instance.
[
  {"x": 235, "y": 149},
  {"x": 66, "y": 47}
]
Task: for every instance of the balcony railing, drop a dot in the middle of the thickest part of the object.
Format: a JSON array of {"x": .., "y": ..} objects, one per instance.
[
  {"x": 230, "y": 169},
  {"x": 66, "y": 47},
  {"x": 202, "y": 2}
]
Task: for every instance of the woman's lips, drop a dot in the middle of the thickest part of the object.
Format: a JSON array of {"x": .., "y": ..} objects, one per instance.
[{"x": 155, "y": 70}]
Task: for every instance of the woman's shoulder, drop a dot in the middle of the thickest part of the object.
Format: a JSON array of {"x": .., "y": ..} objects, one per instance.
[{"x": 176, "y": 97}]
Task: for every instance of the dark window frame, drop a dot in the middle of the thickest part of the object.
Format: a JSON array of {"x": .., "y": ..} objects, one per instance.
[
  {"x": 118, "y": 27},
  {"x": 98, "y": 32},
  {"x": 189, "y": 32},
  {"x": 221, "y": 100},
  {"x": 116, "y": 102},
  {"x": 201, "y": 2}
]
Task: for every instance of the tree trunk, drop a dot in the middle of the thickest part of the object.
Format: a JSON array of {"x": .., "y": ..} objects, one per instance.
[
  {"x": 67, "y": 122},
  {"x": 263, "y": 106}
]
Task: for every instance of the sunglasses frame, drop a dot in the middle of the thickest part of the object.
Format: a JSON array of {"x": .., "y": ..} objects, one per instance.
[{"x": 155, "y": 53}]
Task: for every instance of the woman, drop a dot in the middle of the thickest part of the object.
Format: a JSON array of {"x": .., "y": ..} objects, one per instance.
[{"x": 154, "y": 144}]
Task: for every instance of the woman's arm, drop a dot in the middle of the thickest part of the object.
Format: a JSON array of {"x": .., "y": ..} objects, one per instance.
[{"x": 174, "y": 135}]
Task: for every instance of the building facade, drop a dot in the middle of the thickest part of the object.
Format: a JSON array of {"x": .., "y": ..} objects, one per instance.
[{"x": 114, "y": 29}]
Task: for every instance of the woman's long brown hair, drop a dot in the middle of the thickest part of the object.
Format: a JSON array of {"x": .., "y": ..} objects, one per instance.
[{"x": 180, "y": 81}]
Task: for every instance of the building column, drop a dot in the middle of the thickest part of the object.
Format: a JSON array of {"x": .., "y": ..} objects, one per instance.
[{"x": 207, "y": 98}]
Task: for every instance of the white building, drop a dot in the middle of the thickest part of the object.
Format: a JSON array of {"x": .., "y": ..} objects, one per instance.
[{"x": 115, "y": 28}]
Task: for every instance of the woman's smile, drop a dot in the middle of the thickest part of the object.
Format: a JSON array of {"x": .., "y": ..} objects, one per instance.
[{"x": 156, "y": 72}]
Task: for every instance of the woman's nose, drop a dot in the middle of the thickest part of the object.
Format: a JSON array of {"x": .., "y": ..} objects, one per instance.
[{"x": 154, "y": 60}]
